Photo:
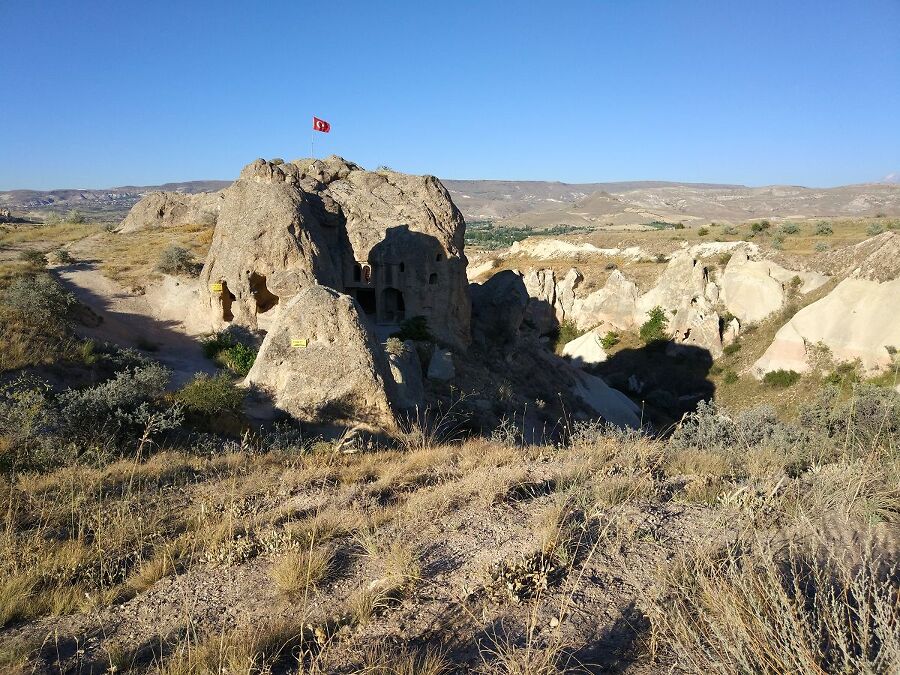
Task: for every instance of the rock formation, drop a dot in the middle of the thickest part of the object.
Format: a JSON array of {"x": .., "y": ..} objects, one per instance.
[
  {"x": 586, "y": 350},
  {"x": 754, "y": 289},
  {"x": 498, "y": 308},
  {"x": 614, "y": 304},
  {"x": 393, "y": 242},
  {"x": 857, "y": 320},
  {"x": 169, "y": 209},
  {"x": 322, "y": 365}
]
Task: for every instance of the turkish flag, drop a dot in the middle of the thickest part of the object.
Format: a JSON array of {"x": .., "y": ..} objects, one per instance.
[{"x": 321, "y": 125}]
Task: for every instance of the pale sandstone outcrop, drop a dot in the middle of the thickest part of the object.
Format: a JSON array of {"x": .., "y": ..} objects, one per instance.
[
  {"x": 615, "y": 304},
  {"x": 857, "y": 320},
  {"x": 170, "y": 209},
  {"x": 586, "y": 350},
  {"x": 754, "y": 289},
  {"x": 322, "y": 365},
  {"x": 392, "y": 241}
]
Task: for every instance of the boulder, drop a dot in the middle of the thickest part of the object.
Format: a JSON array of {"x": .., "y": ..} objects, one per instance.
[
  {"x": 697, "y": 324},
  {"x": 683, "y": 280},
  {"x": 857, "y": 320},
  {"x": 611, "y": 404},
  {"x": 392, "y": 241},
  {"x": 171, "y": 209},
  {"x": 614, "y": 304},
  {"x": 754, "y": 289},
  {"x": 321, "y": 364},
  {"x": 441, "y": 367},
  {"x": 586, "y": 350},
  {"x": 731, "y": 333},
  {"x": 498, "y": 307},
  {"x": 406, "y": 374}
]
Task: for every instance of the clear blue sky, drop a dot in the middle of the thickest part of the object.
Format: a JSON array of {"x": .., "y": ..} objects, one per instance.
[{"x": 97, "y": 94}]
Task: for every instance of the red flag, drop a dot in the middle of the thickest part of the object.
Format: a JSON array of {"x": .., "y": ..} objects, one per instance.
[{"x": 321, "y": 125}]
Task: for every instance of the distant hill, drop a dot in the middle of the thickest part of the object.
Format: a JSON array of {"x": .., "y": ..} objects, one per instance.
[
  {"x": 539, "y": 204},
  {"x": 104, "y": 204},
  {"x": 548, "y": 203}
]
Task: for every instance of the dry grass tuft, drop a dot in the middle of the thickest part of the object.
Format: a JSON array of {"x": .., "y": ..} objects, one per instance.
[
  {"x": 385, "y": 661},
  {"x": 297, "y": 572}
]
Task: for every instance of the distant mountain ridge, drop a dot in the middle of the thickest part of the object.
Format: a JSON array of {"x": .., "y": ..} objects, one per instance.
[{"x": 547, "y": 203}]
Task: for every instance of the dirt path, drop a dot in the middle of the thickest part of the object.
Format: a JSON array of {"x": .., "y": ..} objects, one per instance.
[{"x": 131, "y": 321}]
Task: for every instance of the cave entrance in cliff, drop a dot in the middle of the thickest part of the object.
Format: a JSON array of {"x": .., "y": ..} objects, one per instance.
[
  {"x": 393, "y": 309},
  {"x": 227, "y": 297},
  {"x": 366, "y": 299},
  {"x": 265, "y": 299}
]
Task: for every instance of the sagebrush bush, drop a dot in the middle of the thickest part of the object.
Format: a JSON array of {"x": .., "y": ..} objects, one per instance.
[
  {"x": 177, "y": 260},
  {"x": 756, "y": 609},
  {"x": 211, "y": 395},
  {"x": 824, "y": 230},
  {"x": 119, "y": 409},
  {"x": 781, "y": 379},
  {"x": 789, "y": 228},
  {"x": 76, "y": 217},
  {"x": 39, "y": 299},
  {"x": 710, "y": 428},
  {"x": 869, "y": 417}
]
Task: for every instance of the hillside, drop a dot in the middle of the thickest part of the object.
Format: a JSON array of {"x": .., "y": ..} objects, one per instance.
[{"x": 547, "y": 203}]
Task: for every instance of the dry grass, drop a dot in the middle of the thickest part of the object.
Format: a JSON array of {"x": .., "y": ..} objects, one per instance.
[
  {"x": 131, "y": 258},
  {"x": 79, "y": 538},
  {"x": 762, "y": 610},
  {"x": 243, "y": 650},
  {"x": 385, "y": 661},
  {"x": 296, "y": 573},
  {"x": 46, "y": 236}
]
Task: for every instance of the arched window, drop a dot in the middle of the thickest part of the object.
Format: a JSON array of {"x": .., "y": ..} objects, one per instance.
[
  {"x": 432, "y": 279},
  {"x": 439, "y": 257},
  {"x": 357, "y": 272}
]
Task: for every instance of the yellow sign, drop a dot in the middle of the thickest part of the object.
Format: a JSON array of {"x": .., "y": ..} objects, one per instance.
[
  {"x": 299, "y": 342},
  {"x": 216, "y": 288}
]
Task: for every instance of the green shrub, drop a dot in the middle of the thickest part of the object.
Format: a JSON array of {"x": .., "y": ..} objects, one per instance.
[
  {"x": 238, "y": 358},
  {"x": 39, "y": 299},
  {"x": 177, "y": 260},
  {"x": 847, "y": 372},
  {"x": 730, "y": 230},
  {"x": 211, "y": 395},
  {"x": 702, "y": 232},
  {"x": 874, "y": 228},
  {"x": 610, "y": 340},
  {"x": 823, "y": 229},
  {"x": 222, "y": 348},
  {"x": 730, "y": 377},
  {"x": 733, "y": 348},
  {"x": 760, "y": 226},
  {"x": 75, "y": 216},
  {"x": 821, "y": 247},
  {"x": 566, "y": 332},
  {"x": 781, "y": 379},
  {"x": 679, "y": 226},
  {"x": 654, "y": 329},
  {"x": 61, "y": 256},
  {"x": 789, "y": 228},
  {"x": 52, "y": 219},
  {"x": 36, "y": 258},
  {"x": 414, "y": 328}
]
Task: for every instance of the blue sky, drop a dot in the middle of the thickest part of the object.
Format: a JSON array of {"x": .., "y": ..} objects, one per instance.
[{"x": 98, "y": 94}]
